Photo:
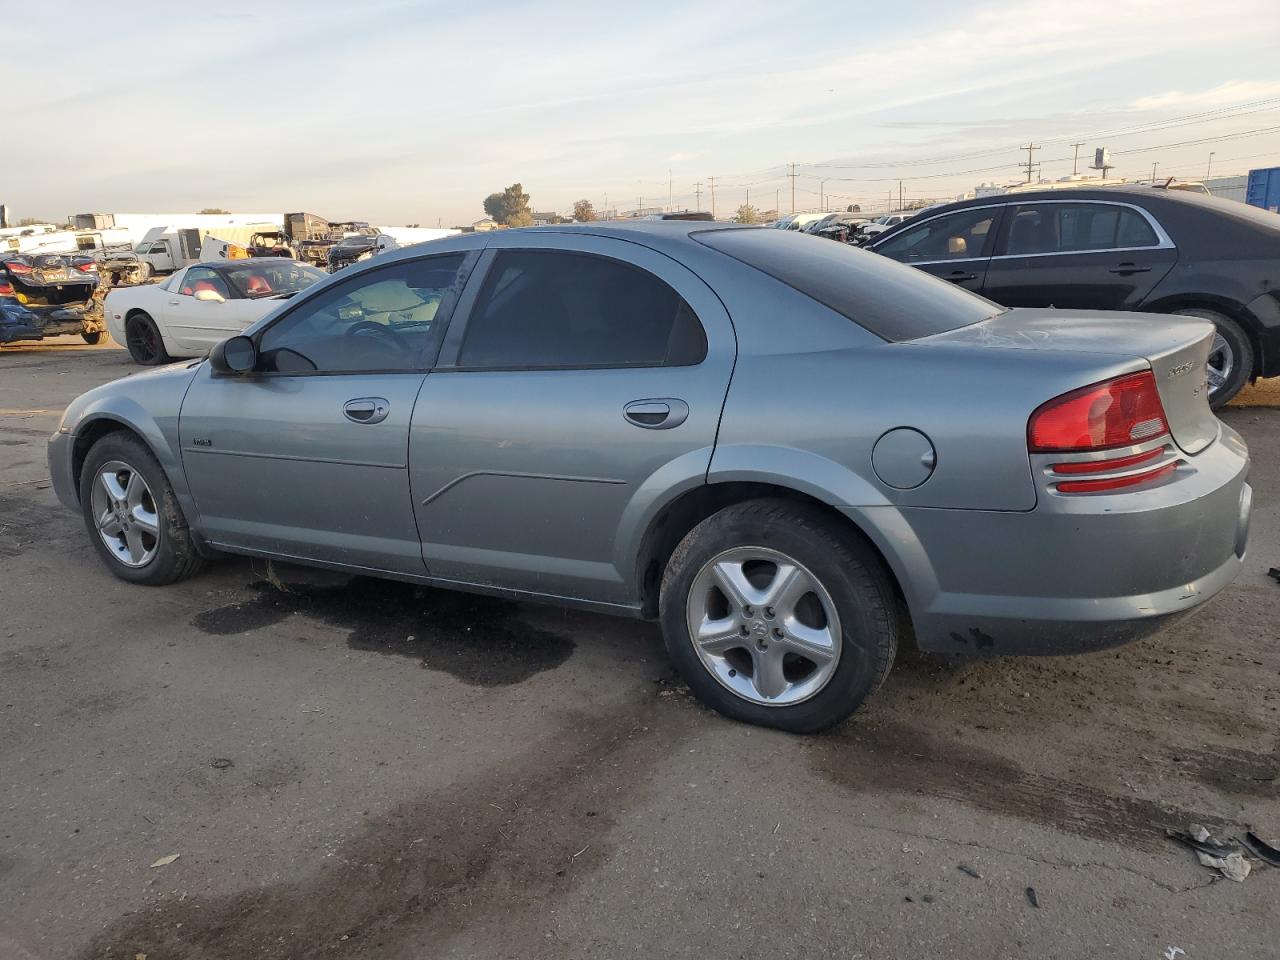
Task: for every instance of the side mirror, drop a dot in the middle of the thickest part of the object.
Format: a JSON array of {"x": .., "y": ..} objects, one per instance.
[
  {"x": 210, "y": 296},
  {"x": 236, "y": 355}
]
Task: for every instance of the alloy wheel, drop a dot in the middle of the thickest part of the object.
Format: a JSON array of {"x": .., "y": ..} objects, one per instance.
[
  {"x": 764, "y": 626},
  {"x": 141, "y": 340},
  {"x": 1221, "y": 363},
  {"x": 126, "y": 514}
]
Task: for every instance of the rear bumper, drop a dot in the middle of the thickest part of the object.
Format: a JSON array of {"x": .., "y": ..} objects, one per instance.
[{"x": 1087, "y": 574}]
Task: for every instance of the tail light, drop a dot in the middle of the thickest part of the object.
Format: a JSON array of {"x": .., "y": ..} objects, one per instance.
[
  {"x": 87, "y": 267},
  {"x": 17, "y": 266},
  {"x": 1114, "y": 415},
  {"x": 6, "y": 289}
]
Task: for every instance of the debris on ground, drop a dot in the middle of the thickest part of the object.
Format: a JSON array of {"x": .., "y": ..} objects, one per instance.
[
  {"x": 1032, "y": 898},
  {"x": 221, "y": 763},
  {"x": 165, "y": 861},
  {"x": 1274, "y": 574},
  {"x": 1261, "y": 849},
  {"x": 1227, "y": 858},
  {"x": 1171, "y": 953},
  {"x": 966, "y": 869}
]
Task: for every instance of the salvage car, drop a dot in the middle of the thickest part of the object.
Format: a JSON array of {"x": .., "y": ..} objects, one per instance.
[
  {"x": 1117, "y": 248},
  {"x": 358, "y": 248},
  {"x": 185, "y": 315},
  {"x": 589, "y": 415},
  {"x": 56, "y": 289}
]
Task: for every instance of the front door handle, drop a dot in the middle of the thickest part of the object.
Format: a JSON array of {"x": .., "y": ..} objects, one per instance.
[
  {"x": 175, "y": 303},
  {"x": 960, "y": 276},
  {"x": 662, "y": 413},
  {"x": 366, "y": 410},
  {"x": 1128, "y": 267}
]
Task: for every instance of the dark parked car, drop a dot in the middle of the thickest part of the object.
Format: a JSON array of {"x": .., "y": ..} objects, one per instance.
[
  {"x": 1118, "y": 248},
  {"x": 48, "y": 279},
  {"x": 19, "y": 323},
  {"x": 697, "y": 423}
]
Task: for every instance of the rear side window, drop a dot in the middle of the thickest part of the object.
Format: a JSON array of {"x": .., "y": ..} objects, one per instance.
[
  {"x": 547, "y": 309},
  {"x": 893, "y": 301},
  {"x": 1076, "y": 228}
]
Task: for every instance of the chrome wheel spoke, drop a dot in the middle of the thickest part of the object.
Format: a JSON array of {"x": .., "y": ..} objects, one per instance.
[
  {"x": 110, "y": 526},
  {"x": 813, "y": 643},
  {"x": 111, "y": 483},
  {"x": 790, "y": 583},
  {"x": 767, "y": 675},
  {"x": 737, "y": 588},
  {"x": 145, "y": 520},
  {"x": 134, "y": 489},
  {"x": 133, "y": 540},
  {"x": 720, "y": 636}
]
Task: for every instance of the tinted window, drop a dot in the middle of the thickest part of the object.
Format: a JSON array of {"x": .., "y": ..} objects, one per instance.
[
  {"x": 547, "y": 309},
  {"x": 1076, "y": 227},
  {"x": 892, "y": 301},
  {"x": 382, "y": 319},
  {"x": 953, "y": 237},
  {"x": 270, "y": 278}
]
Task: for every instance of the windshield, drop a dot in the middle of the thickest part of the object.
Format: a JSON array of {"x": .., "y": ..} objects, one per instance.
[{"x": 270, "y": 278}]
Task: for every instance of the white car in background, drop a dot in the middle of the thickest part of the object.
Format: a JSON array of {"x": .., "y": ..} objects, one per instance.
[{"x": 199, "y": 305}]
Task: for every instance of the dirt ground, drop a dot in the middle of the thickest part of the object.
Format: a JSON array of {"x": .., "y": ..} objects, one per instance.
[{"x": 359, "y": 769}]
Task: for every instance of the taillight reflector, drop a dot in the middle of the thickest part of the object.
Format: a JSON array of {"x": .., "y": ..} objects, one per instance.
[
  {"x": 1115, "y": 483},
  {"x": 1119, "y": 463},
  {"x": 1115, "y": 413}
]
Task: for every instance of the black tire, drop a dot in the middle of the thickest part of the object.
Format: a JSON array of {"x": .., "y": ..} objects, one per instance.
[
  {"x": 850, "y": 571},
  {"x": 175, "y": 556},
  {"x": 1241, "y": 347},
  {"x": 92, "y": 338},
  {"x": 142, "y": 337}
]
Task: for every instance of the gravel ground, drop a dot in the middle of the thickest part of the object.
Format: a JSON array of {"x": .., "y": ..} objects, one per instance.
[{"x": 364, "y": 770}]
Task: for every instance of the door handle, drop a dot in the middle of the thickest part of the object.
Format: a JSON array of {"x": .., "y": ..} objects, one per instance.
[
  {"x": 659, "y": 414},
  {"x": 1128, "y": 267},
  {"x": 175, "y": 303},
  {"x": 960, "y": 276},
  {"x": 366, "y": 410}
]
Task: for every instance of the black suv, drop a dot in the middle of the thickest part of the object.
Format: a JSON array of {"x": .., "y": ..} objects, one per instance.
[{"x": 1116, "y": 248}]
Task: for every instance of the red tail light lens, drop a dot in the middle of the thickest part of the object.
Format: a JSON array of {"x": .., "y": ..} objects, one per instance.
[
  {"x": 90, "y": 267},
  {"x": 1116, "y": 483},
  {"x": 1116, "y": 413},
  {"x": 6, "y": 289},
  {"x": 17, "y": 266}
]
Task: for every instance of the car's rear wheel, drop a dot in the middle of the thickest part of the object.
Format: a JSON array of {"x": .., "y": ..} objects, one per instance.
[
  {"x": 142, "y": 337},
  {"x": 1230, "y": 363},
  {"x": 776, "y": 617},
  {"x": 133, "y": 517}
]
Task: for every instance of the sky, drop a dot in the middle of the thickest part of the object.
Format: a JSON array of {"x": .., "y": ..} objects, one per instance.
[{"x": 404, "y": 112}]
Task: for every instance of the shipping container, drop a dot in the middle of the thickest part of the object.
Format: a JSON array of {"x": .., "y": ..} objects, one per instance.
[{"x": 1264, "y": 189}]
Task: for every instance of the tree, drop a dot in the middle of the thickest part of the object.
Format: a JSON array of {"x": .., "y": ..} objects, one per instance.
[
  {"x": 214, "y": 210},
  {"x": 31, "y": 222},
  {"x": 583, "y": 211},
  {"x": 747, "y": 214},
  {"x": 510, "y": 207}
]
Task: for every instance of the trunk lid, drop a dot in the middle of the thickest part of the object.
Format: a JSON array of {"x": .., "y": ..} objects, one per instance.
[{"x": 1176, "y": 347}]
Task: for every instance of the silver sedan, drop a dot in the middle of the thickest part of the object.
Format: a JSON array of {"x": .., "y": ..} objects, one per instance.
[{"x": 793, "y": 454}]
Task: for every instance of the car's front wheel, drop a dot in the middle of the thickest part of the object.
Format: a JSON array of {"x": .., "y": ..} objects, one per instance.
[
  {"x": 778, "y": 617},
  {"x": 1230, "y": 363},
  {"x": 143, "y": 339},
  {"x": 133, "y": 517}
]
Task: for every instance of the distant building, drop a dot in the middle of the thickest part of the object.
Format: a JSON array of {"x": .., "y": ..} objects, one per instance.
[
  {"x": 548, "y": 217},
  {"x": 488, "y": 223},
  {"x": 1229, "y": 188}
]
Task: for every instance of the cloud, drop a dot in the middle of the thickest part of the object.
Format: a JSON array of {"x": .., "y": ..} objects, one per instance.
[{"x": 1224, "y": 94}]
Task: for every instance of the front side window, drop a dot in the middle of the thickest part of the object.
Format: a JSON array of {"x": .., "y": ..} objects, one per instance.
[
  {"x": 199, "y": 279},
  {"x": 1076, "y": 228},
  {"x": 381, "y": 320},
  {"x": 545, "y": 309},
  {"x": 954, "y": 237}
]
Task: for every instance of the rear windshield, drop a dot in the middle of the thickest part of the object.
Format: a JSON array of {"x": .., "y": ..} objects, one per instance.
[{"x": 893, "y": 301}]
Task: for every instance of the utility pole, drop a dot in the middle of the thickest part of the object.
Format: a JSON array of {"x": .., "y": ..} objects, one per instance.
[
  {"x": 697, "y": 189},
  {"x": 1153, "y": 172},
  {"x": 777, "y": 201},
  {"x": 1030, "y": 165},
  {"x": 1075, "y": 157},
  {"x": 668, "y": 189},
  {"x": 793, "y": 176},
  {"x": 606, "y": 205},
  {"x": 822, "y": 193},
  {"x": 712, "y": 181},
  {"x": 748, "y": 203},
  {"x": 1210, "y": 166},
  {"x": 900, "y": 206}
]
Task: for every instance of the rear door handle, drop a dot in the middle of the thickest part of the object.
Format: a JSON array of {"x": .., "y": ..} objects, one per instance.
[
  {"x": 659, "y": 414},
  {"x": 1128, "y": 267},
  {"x": 366, "y": 410},
  {"x": 960, "y": 276}
]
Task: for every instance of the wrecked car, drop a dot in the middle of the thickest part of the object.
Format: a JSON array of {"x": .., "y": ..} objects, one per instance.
[
  {"x": 354, "y": 249},
  {"x": 19, "y": 323},
  {"x": 48, "y": 279},
  {"x": 272, "y": 243}
]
